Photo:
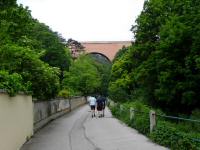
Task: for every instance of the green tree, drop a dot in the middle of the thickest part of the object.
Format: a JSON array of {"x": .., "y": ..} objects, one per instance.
[
  {"x": 43, "y": 78},
  {"x": 15, "y": 22},
  {"x": 83, "y": 77},
  {"x": 26, "y": 44},
  {"x": 104, "y": 71},
  {"x": 120, "y": 53},
  {"x": 5, "y": 4},
  {"x": 17, "y": 26},
  {"x": 163, "y": 63},
  {"x": 13, "y": 83},
  {"x": 50, "y": 45}
]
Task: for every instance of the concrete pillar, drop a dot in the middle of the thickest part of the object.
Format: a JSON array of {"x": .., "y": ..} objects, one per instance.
[
  {"x": 132, "y": 113},
  {"x": 70, "y": 105},
  {"x": 108, "y": 103},
  {"x": 152, "y": 116},
  {"x": 121, "y": 108},
  {"x": 112, "y": 104}
]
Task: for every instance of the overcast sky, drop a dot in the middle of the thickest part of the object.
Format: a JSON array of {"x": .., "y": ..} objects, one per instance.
[{"x": 88, "y": 20}]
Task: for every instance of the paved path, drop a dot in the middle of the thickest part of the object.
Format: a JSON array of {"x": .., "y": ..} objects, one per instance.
[{"x": 78, "y": 131}]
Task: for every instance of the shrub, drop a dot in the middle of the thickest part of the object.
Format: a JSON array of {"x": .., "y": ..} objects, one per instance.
[
  {"x": 140, "y": 121},
  {"x": 83, "y": 76},
  {"x": 12, "y": 83},
  {"x": 117, "y": 93},
  {"x": 66, "y": 93},
  {"x": 175, "y": 135},
  {"x": 26, "y": 63},
  {"x": 196, "y": 115},
  {"x": 168, "y": 135}
]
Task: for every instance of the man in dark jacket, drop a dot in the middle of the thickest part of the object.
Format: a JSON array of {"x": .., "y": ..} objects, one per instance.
[
  {"x": 104, "y": 104},
  {"x": 101, "y": 103}
]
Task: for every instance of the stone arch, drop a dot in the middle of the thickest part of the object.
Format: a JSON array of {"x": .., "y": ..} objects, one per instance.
[
  {"x": 101, "y": 55},
  {"x": 106, "y": 48}
]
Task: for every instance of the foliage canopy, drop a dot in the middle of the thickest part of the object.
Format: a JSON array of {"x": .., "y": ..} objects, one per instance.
[
  {"x": 162, "y": 67},
  {"x": 31, "y": 53}
]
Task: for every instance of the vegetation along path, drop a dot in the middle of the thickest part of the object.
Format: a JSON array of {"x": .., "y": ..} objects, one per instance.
[{"x": 78, "y": 131}]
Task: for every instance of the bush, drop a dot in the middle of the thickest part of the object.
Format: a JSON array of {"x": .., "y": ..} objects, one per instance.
[
  {"x": 12, "y": 83},
  {"x": 168, "y": 135},
  {"x": 117, "y": 93},
  {"x": 196, "y": 115},
  {"x": 140, "y": 121},
  {"x": 83, "y": 76},
  {"x": 66, "y": 93},
  {"x": 26, "y": 63},
  {"x": 176, "y": 136}
]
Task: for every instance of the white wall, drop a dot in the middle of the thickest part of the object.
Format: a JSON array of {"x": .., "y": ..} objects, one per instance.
[{"x": 16, "y": 121}]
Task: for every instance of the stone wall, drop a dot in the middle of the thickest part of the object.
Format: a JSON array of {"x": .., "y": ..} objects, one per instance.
[
  {"x": 46, "y": 111},
  {"x": 77, "y": 101}
]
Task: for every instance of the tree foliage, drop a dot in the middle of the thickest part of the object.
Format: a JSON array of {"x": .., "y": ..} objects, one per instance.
[
  {"x": 104, "y": 70},
  {"x": 162, "y": 66},
  {"x": 83, "y": 77},
  {"x": 32, "y": 50},
  {"x": 12, "y": 83},
  {"x": 23, "y": 61},
  {"x": 87, "y": 76},
  {"x": 5, "y": 4},
  {"x": 120, "y": 53}
]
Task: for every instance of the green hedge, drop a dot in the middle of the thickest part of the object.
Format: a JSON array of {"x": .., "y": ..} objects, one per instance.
[
  {"x": 175, "y": 135},
  {"x": 168, "y": 135},
  {"x": 140, "y": 121}
]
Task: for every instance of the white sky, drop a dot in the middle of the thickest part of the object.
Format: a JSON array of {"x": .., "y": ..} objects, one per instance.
[{"x": 88, "y": 20}]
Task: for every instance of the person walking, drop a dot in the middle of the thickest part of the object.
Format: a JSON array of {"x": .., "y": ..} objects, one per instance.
[
  {"x": 92, "y": 102},
  {"x": 100, "y": 106},
  {"x": 104, "y": 100}
]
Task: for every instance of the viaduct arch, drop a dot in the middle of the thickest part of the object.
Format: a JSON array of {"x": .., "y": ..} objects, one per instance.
[
  {"x": 106, "y": 48},
  {"x": 101, "y": 55}
]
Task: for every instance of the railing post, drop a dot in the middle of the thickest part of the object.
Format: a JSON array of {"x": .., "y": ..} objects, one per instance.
[
  {"x": 70, "y": 105},
  {"x": 108, "y": 103},
  {"x": 121, "y": 108},
  {"x": 112, "y": 104},
  {"x": 152, "y": 116},
  {"x": 132, "y": 113}
]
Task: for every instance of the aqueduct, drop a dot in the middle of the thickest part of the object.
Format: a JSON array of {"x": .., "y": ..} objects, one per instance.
[{"x": 107, "y": 49}]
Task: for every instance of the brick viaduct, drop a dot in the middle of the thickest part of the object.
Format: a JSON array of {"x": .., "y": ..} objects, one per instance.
[{"x": 106, "y": 48}]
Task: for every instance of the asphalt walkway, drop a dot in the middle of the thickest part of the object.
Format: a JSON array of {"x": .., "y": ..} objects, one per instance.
[{"x": 78, "y": 131}]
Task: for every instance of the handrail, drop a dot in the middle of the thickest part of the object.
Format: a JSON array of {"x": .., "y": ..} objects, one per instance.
[
  {"x": 171, "y": 117},
  {"x": 165, "y": 116},
  {"x": 140, "y": 111},
  {"x": 178, "y": 118}
]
